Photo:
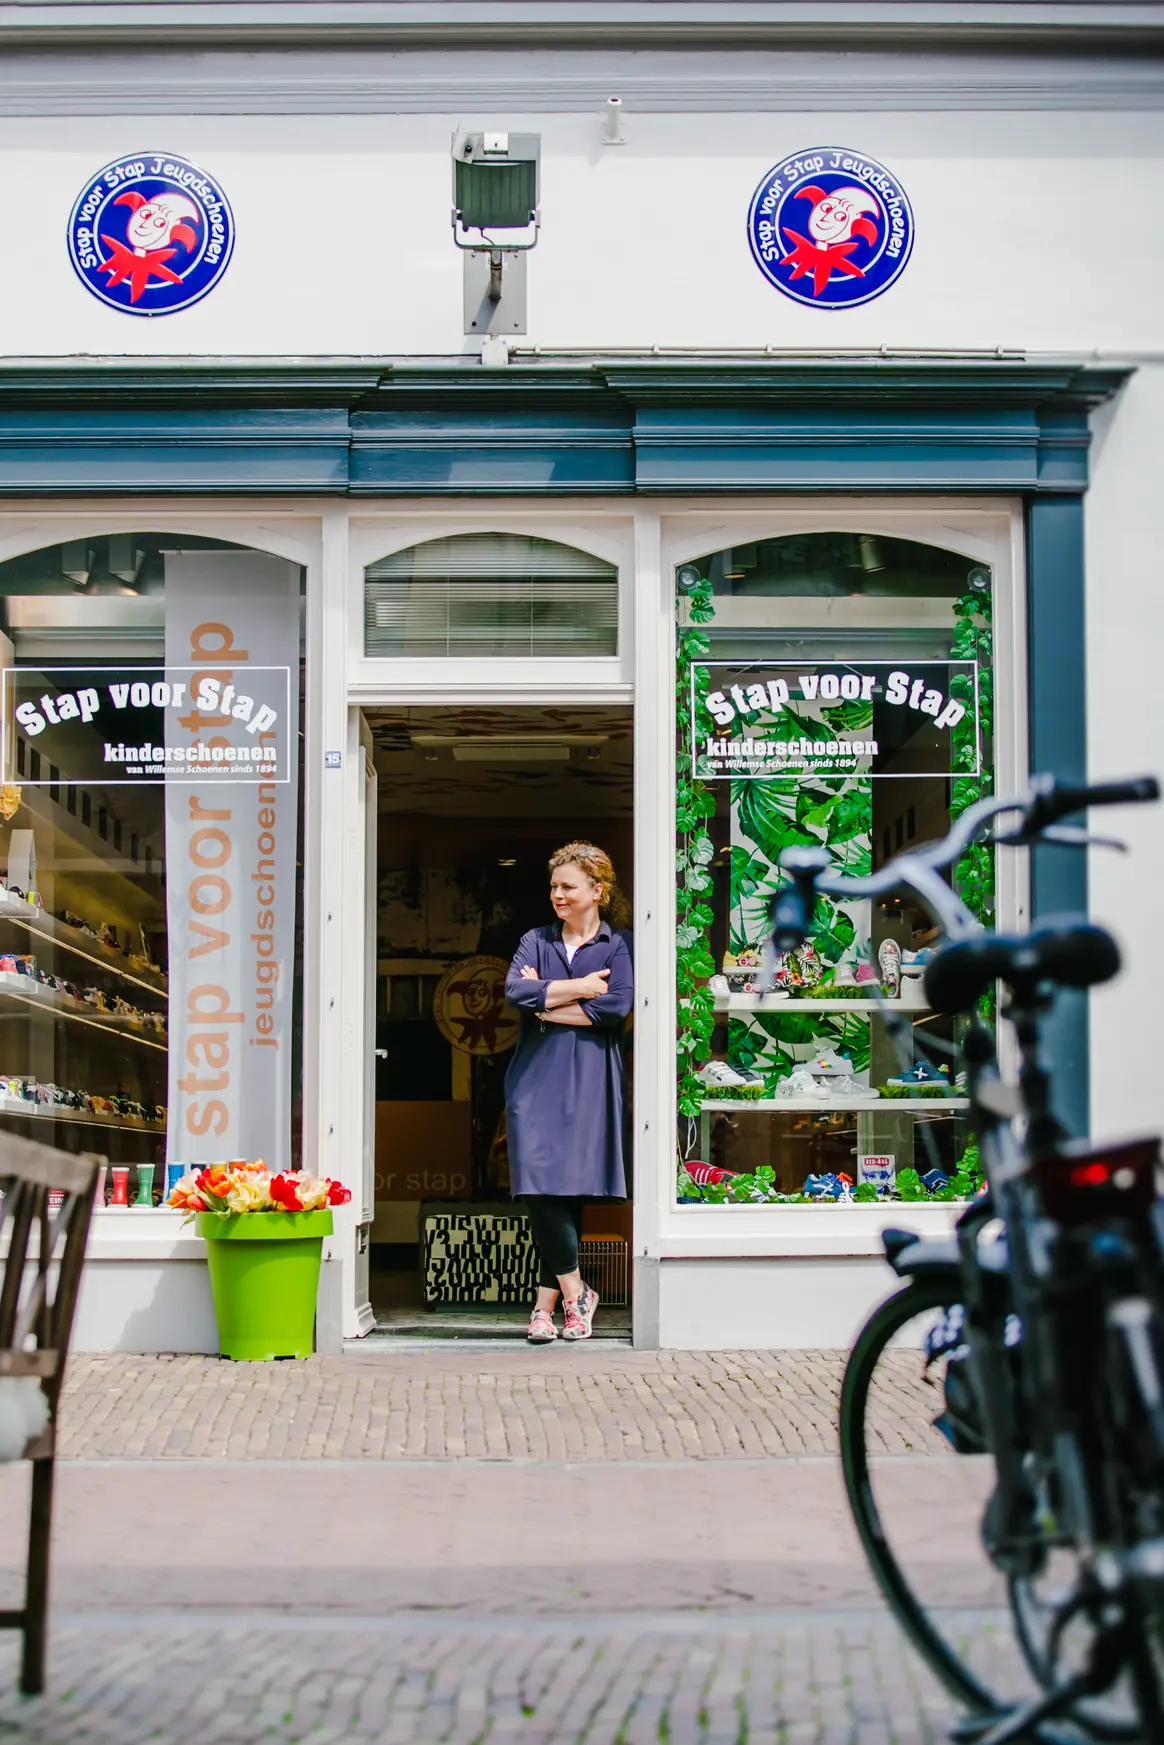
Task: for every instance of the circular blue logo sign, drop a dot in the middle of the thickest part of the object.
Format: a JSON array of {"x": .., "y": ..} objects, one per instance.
[
  {"x": 830, "y": 227},
  {"x": 151, "y": 234}
]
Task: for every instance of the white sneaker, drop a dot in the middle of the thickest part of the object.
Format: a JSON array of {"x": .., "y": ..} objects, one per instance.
[
  {"x": 849, "y": 1089},
  {"x": 723, "y": 1076},
  {"x": 800, "y": 1083},
  {"x": 889, "y": 962},
  {"x": 829, "y": 1065},
  {"x": 719, "y": 986}
]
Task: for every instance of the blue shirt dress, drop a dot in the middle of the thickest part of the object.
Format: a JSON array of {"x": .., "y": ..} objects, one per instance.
[{"x": 565, "y": 1091}]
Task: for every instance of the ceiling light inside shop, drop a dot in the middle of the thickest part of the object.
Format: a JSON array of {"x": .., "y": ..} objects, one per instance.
[{"x": 521, "y": 753}]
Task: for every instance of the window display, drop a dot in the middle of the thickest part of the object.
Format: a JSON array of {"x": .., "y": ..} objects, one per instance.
[
  {"x": 835, "y": 690},
  {"x": 150, "y": 727}
]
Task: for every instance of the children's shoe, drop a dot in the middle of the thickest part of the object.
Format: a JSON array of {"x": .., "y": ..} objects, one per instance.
[
  {"x": 828, "y": 1187},
  {"x": 708, "y": 1175},
  {"x": 829, "y": 1065},
  {"x": 889, "y": 962},
  {"x": 800, "y": 1083},
  {"x": 719, "y": 986},
  {"x": 849, "y": 1089},
  {"x": 922, "y": 1073},
  {"x": 723, "y": 1075},
  {"x": 580, "y": 1315},
  {"x": 864, "y": 974},
  {"x": 541, "y": 1328}
]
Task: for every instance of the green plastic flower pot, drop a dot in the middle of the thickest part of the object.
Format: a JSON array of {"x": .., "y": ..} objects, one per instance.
[{"x": 264, "y": 1273}]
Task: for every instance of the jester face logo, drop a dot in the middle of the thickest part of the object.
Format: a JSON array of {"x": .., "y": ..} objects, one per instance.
[
  {"x": 151, "y": 234},
  {"x": 830, "y": 228}
]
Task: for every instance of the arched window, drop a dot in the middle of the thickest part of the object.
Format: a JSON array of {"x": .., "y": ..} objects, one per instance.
[{"x": 491, "y": 596}]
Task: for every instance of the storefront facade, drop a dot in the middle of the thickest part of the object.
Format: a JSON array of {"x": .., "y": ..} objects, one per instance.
[{"x": 950, "y": 481}]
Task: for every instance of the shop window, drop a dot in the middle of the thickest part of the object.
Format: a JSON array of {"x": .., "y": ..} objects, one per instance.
[
  {"x": 490, "y": 596},
  {"x": 855, "y": 713},
  {"x": 145, "y": 1017}
]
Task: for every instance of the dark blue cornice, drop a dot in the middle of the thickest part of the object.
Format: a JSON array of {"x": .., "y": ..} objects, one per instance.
[{"x": 538, "y": 427}]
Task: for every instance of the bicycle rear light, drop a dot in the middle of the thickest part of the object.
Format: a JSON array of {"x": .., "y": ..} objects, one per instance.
[{"x": 1083, "y": 1185}]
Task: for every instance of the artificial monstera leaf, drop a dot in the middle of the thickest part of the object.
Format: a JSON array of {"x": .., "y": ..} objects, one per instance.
[
  {"x": 766, "y": 814},
  {"x": 833, "y": 932},
  {"x": 851, "y": 814},
  {"x": 749, "y": 872},
  {"x": 852, "y": 717}
]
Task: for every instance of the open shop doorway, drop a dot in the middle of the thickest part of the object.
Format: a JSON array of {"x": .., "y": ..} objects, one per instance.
[{"x": 471, "y": 804}]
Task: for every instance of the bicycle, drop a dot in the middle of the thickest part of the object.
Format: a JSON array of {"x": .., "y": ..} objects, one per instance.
[{"x": 1046, "y": 1309}]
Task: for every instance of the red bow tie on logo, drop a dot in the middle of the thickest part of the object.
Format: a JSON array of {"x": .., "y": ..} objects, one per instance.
[
  {"x": 810, "y": 257},
  {"x": 139, "y": 269}
]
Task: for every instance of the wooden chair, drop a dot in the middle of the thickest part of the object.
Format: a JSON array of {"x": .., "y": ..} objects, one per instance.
[{"x": 38, "y": 1294}]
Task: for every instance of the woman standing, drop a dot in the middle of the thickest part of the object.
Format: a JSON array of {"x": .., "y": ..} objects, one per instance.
[{"x": 565, "y": 1090}]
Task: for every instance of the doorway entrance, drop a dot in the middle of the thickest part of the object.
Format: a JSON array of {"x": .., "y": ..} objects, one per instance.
[{"x": 470, "y": 804}]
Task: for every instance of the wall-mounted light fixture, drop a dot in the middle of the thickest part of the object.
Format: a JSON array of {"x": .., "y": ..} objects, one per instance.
[{"x": 495, "y": 189}]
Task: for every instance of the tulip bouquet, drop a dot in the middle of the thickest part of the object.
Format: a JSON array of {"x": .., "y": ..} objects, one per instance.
[{"x": 250, "y": 1187}]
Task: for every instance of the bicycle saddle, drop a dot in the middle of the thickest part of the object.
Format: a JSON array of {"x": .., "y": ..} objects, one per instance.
[{"x": 1065, "y": 951}]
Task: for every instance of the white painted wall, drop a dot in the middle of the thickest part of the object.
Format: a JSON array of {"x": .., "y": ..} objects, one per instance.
[
  {"x": 1033, "y": 230},
  {"x": 760, "y": 1305},
  {"x": 1125, "y": 639}
]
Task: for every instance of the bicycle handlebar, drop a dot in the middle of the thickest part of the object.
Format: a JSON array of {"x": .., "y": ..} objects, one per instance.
[{"x": 1039, "y": 808}]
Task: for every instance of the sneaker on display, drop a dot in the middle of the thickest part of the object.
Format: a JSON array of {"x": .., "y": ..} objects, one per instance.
[
  {"x": 747, "y": 1074},
  {"x": 913, "y": 991},
  {"x": 863, "y": 974},
  {"x": 889, "y": 962},
  {"x": 718, "y": 985},
  {"x": 829, "y": 1064},
  {"x": 917, "y": 959},
  {"x": 800, "y": 1083},
  {"x": 922, "y": 1073},
  {"x": 828, "y": 1187},
  {"x": 720, "y": 1074},
  {"x": 851, "y": 1090}
]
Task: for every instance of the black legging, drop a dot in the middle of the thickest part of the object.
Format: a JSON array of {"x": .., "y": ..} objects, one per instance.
[{"x": 556, "y": 1223}]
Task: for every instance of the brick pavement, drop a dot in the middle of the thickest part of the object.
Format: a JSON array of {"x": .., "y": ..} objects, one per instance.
[
  {"x": 593, "y": 1546},
  {"x": 831, "y": 1679},
  {"x": 589, "y": 1402}
]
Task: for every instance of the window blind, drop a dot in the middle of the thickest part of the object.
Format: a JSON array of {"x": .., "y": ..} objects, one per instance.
[{"x": 491, "y": 596}]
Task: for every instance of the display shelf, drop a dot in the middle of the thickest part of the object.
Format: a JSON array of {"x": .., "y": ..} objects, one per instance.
[
  {"x": 765, "y": 1003},
  {"x": 33, "y": 993},
  {"x": 24, "y": 1110},
  {"x": 857, "y": 1105},
  {"x": 45, "y": 926},
  {"x": 68, "y": 830}
]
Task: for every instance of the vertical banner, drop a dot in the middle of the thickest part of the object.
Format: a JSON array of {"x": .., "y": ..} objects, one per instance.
[{"x": 231, "y": 856}]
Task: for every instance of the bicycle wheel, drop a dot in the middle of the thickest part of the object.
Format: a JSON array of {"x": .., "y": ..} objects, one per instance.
[{"x": 888, "y": 1380}]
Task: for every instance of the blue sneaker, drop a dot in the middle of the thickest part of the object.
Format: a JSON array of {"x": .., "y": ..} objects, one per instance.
[
  {"x": 922, "y": 1073},
  {"x": 824, "y": 1187}
]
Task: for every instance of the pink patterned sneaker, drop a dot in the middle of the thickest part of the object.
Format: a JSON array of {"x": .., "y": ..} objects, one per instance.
[
  {"x": 541, "y": 1328},
  {"x": 580, "y": 1315}
]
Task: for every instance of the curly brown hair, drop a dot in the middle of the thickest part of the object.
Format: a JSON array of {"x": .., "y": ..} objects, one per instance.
[{"x": 599, "y": 868}]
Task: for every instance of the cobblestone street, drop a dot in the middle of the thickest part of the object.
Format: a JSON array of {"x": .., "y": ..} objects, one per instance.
[
  {"x": 463, "y": 1544},
  {"x": 588, "y": 1402}
]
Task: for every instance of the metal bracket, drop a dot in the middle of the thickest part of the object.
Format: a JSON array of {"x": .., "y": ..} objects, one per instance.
[{"x": 495, "y": 290}]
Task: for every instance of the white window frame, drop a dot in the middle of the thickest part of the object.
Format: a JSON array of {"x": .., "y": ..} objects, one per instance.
[
  {"x": 603, "y": 530},
  {"x": 989, "y": 531}
]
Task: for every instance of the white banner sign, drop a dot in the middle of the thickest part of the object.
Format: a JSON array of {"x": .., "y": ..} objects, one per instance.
[{"x": 230, "y": 867}]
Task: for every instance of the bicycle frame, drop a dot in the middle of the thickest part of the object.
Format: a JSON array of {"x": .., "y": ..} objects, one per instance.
[{"x": 1061, "y": 1478}]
